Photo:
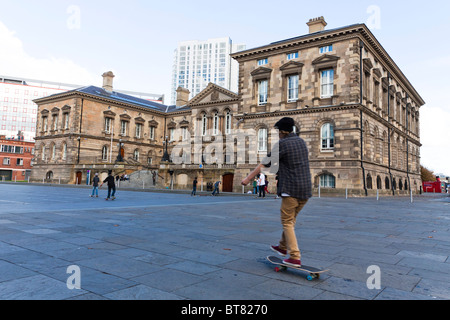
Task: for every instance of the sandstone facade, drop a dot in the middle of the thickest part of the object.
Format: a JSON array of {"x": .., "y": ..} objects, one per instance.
[{"x": 353, "y": 106}]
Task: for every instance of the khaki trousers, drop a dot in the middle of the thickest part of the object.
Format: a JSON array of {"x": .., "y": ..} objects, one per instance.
[{"x": 290, "y": 208}]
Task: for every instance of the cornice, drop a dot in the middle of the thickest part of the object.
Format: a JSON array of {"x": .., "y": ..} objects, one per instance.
[{"x": 360, "y": 31}]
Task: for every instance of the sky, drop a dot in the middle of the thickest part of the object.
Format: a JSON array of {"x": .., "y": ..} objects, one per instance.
[{"x": 76, "y": 41}]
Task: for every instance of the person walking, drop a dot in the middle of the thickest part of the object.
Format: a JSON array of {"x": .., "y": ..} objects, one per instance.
[
  {"x": 194, "y": 187},
  {"x": 216, "y": 188},
  {"x": 255, "y": 186},
  {"x": 95, "y": 182},
  {"x": 262, "y": 185},
  {"x": 294, "y": 186},
  {"x": 111, "y": 185}
]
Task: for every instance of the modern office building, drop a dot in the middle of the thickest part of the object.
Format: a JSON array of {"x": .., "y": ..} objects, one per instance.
[{"x": 197, "y": 63}]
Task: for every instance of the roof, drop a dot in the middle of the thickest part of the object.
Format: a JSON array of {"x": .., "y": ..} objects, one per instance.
[{"x": 114, "y": 96}]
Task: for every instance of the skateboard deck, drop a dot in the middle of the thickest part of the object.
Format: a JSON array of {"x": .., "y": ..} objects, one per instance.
[{"x": 314, "y": 273}]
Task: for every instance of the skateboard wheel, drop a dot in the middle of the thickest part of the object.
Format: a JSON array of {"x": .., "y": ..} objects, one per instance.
[
  {"x": 309, "y": 278},
  {"x": 277, "y": 269}
]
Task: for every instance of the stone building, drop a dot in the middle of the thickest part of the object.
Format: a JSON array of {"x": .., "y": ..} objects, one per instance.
[
  {"x": 91, "y": 129},
  {"x": 352, "y": 104}
]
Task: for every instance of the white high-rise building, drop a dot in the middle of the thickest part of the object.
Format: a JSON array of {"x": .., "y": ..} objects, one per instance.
[{"x": 197, "y": 63}]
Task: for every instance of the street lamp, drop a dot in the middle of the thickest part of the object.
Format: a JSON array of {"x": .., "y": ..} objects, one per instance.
[{"x": 166, "y": 157}]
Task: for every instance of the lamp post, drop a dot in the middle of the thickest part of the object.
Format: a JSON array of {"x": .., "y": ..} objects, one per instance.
[{"x": 166, "y": 157}]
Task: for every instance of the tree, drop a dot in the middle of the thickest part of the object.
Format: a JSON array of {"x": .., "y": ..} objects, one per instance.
[{"x": 427, "y": 175}]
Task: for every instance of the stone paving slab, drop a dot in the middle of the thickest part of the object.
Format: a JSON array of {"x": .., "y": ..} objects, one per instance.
[{"x": 170, "y": 246}]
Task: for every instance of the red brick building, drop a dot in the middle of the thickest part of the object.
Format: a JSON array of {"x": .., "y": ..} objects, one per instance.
[{"x": 15, "y": 158}]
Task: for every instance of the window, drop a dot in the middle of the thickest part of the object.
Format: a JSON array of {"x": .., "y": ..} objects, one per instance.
[
  {"x": 138, "y": 130},
  {"x": 204, "y": 125},
  {"x": 108, "y": 125},
  {"x": 152, "y": 133},
  {"x": 262, "y": 62},
  {"x": 326, "y": 83},
  {"x": 43, "y": 153},
  {"x": 185, "y": 133},
  {"x": 55, "y": 122},
  {"x": 327, "y": 181},
  {"x": 123, "y": 127},
  {"x": 228, "y": 123},
  {"x": 66, "y": 121},
  {"x": 262, "y": 140},
  {"x": 53, "y": 152},
  {"x": 44, "y": 124},
  {"x": 172, "y": 134},
  {"x": 293, "y": 55},
  {"x": 136, "y": 155},
  {"x": 6, "y": 161},
  {"x": 149, "y": 160},
  {"x": 327, "y": 134},
  {"x": 262, "y": 92},
  {"x": 19, "y": 162},
  {"x": 105, "y": 153},
  {"x": 326, "y": 49},
  {"x": 292, "y": 88},
  {"x": 64, "y": 152},
  {"x": 216, "y": 124}
]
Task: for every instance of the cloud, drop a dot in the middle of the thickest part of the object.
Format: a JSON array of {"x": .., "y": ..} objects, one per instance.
[{"x": 14, "y": 61}]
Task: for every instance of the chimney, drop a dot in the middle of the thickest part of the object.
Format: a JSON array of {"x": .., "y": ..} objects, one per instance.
[
  {"x": 182, "y": 96},
  {"x": 316, "y": 24},
  {"x": 108, "y": 81}
]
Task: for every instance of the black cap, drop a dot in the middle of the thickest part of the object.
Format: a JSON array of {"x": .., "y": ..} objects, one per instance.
[{"x": 286, "y": 124}]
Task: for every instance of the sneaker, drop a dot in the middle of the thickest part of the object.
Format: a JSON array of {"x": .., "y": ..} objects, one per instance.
[
  {"x": 293, "y": 263},
  {"x": 277, "y": 249}
]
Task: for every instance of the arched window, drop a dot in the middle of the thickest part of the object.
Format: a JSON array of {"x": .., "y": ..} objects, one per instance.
[
  {"x": 369, "y": 181},
  {"x": 136, "y": 155},
  {"x": 105, "y": 153},
  {"x": 228, "y": 122},
  {"x": 204, "y": 125},
  {"x": 386, "y": 183},
  {"x": 327, "y": 134},
  {"x": 379, "y": 186},
  {"x": 216, "y": 124},
  {"x": 262, "y": 139},
  {"x": 327, "y": 181}
]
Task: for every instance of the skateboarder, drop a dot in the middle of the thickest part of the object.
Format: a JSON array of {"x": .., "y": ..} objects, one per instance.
[
  {"x": 294, "y": 186},
  {"x": 111, "y": 185}
]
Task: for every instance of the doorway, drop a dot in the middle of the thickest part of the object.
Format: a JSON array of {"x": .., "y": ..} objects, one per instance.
[
  {"x": 79, "y": 177},
  {"x": 227, "y": 182}
]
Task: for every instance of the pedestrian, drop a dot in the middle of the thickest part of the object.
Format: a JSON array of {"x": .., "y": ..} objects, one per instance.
[
  {"x": 111, "y": 185},
  {"x": 294, "y": 189},
  {"x": 216, "y": 188},
  {"x": 95, "y": 182},
  {"x": 261, "y": 185},
  {"x": 266, "y": 186},
  {"x": 194, "y": 187},
  {"x": 255, "y": 186}
]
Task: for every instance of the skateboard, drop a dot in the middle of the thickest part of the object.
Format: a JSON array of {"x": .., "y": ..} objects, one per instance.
[
  {"x": 314, "y": 273},
  {"x": 112, "y": 199}
]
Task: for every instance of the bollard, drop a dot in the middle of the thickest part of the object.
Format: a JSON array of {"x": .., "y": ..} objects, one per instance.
[
  {"x": 346, "y": 193},
  {"x": 378, "y": 195},
  {"x": 319, "y": 191},
  {"x": 410, "y": 191}
]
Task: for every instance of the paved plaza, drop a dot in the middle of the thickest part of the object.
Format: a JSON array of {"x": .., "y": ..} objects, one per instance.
[{"x": 171, "y": 246}]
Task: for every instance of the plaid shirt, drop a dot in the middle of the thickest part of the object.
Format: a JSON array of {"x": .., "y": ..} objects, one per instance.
[{"x": 294, "y": 176}]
